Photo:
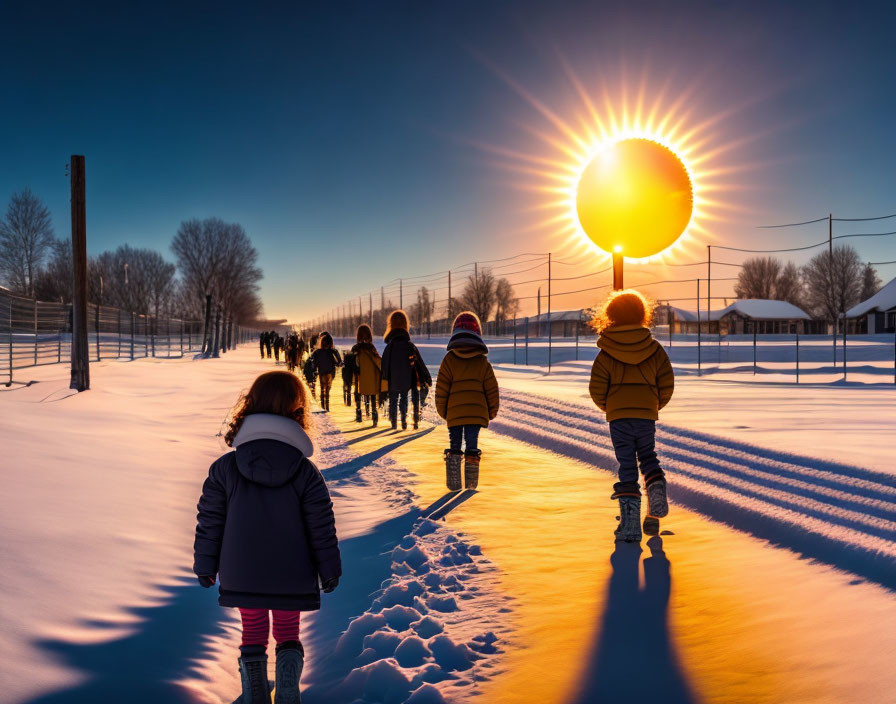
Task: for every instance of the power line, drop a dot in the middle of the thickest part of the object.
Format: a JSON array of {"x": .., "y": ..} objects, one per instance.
[
  {"x": 789, "y": 224},
  {"x": 880, "y": 217}
]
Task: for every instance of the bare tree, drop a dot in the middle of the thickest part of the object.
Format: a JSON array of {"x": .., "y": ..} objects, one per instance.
[
  {"x": 789, "y": 285},
  {"x": 506, "y": 303},
  {"x": 218, "y": 264},
  {"x": 479, "y": 293},
  {"x": 54, "y": 281},
  {"x": 870, "y": 283},
  {"x": 833, "y": 282},
  {"x": 26, "y": 238},
  {"x": 424, "y": 307},
  {"x": 757, "y": 278}
]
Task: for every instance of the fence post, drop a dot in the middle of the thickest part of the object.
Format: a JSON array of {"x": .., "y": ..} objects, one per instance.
[
  {"x": 844, "y": 348},
  {"x": 80, "y": 377},
  {"x": 10, "y": 342},
  {"x": 96, "y": 313},
  {"x": 514, "y": 338},
  {"x": 527, "y": 341},
  {"x": 146, "y": 336},
  {"x": 35, "y": 331},
  {"x": 699, "y": 350},
  {"x": 58, "y": 346},
  {"x": 181, "y": 338},
  {"x": 119, "y": 331},
  {"x": 797, "y": 354},
  {"x": 550, "y": 327},
  {"x": 133, "y": 325},
  {"x": 754, "y": 348},
  {"x": 578, "y": 323}
]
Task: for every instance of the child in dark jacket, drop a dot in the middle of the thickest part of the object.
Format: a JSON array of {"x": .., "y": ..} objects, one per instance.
[
  {"x": 466, "y": 397},
  {"x": 326, "y": 358},
  {"x": 266, "y": 531},
  {"x": 631, "y": 381},
  {"x": 401, "y": 370},
  {"x": 349, "y": 370}
]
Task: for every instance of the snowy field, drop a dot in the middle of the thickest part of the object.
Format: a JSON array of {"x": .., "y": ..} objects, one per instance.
[{"x": 770, "y": 583}]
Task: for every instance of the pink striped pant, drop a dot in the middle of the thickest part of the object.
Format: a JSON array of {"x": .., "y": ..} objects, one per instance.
[{"x": 257, "y": 626}]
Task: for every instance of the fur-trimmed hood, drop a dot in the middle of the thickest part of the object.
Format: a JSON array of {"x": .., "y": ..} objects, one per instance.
[{"x": 631, "y": 344}]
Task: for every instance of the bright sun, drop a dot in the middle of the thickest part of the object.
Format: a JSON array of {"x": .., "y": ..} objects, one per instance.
[
  {"x": 634, "y": 197},
  {"x": 628, "y": 170}
]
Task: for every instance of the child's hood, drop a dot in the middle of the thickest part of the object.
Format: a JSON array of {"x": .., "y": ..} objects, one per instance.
[
  {"x": 469, "y": 351},
  {"x": 270, "y": 449},
  {"x": 630, "y": 344}
]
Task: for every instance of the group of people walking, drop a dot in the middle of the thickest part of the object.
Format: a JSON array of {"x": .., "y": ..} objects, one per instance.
[{"x": 266, "y": 527}]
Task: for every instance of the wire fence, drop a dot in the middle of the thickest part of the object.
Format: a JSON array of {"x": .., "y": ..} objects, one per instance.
[{"x": 35, "y": 333}]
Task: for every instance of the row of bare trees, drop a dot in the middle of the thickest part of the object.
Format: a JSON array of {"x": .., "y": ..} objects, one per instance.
[
  {"x": 217, "y": 265},
  {"x": 829, "y": 284}
]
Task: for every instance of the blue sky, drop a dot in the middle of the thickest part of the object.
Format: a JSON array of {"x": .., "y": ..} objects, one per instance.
[{"x": 344, "y": 136}]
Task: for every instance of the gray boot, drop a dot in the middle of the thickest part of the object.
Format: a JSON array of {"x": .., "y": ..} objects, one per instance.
[
  {"x": 452, "y": 469},
  {"x": 629, "y": 528},
  {"x": 657, "y": 504},
  {"x": 290, "y": 661},
  {"x": 254, "y": 678}
]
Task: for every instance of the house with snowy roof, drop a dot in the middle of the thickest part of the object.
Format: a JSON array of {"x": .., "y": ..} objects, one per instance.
[
  {"x": 743, "y": 317},
  {"x": 878, "y": 313}
]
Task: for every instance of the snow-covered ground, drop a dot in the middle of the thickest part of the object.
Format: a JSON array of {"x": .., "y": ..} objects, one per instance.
[{"x": 514, "y": 593}]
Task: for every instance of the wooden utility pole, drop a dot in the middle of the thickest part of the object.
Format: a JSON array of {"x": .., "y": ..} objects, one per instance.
[
  {"x": 617, "y": 271},
  {"x": 550, "y": 327},
  {"x": 80, "y": 363}
]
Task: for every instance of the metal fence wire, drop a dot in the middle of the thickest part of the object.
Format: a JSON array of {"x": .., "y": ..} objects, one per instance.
[{"x": 35, "y": 333}]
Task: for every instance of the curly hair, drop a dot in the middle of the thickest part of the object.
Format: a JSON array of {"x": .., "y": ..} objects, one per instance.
[
  {"x": 626, "y": 307},
  {"x": 278, "y": 393}
]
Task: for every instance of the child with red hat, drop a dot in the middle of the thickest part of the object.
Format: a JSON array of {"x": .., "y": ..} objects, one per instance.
[{"x": 466, "y": 397}]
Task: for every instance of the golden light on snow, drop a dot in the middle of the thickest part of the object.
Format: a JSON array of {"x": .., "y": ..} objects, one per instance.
[{"x": 634, "y": 197}]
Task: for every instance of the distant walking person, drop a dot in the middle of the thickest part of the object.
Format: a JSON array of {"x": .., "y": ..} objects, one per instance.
[
  {"x": 262, "y": 337},
  {"x": 292, "y": 352},
  {"x": 278, "y": 347},
  {"x": 368, "y": 379},
  {"x": 466, "y": 397},
  {"x": 401, "y": 365},
  {"x": 310, "y": 374},
  {"x": 269, "y": 342},
  {"x": 266, "y": 531},
  {"x": 631, "y": 381},
  {"x": 349, "y": 371},
  {"x": 326, "y": 358}
]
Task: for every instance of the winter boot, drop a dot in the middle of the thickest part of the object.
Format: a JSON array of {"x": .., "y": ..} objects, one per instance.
[
  {"x": 471, "y": 468},
  {"x": 629, "y": 528},
  {"x": 375, "y": 417},
  {"x": 657, "y": 506},
  {"x": 404, "y": 421},
  {"x": 452, "y": 469},
  {"x": 416, "y": 417},
  {"x": 290, "y": 660},
  {"x": 254, "y": 678},
  {"x": 358, "y": 418}
]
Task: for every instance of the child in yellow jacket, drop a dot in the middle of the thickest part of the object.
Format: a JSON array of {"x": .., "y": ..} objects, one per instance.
[
  {"x": 466, "y": 397},
  {"x": 631, "y": 381}
]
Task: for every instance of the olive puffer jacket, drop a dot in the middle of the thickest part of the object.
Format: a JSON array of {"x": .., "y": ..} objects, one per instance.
[
  {"x": 265, "y": 523},
  {"x": 367, "y": 380},
  {"x": 631, "y": 376},
  {"x": 466, "y": 387}
]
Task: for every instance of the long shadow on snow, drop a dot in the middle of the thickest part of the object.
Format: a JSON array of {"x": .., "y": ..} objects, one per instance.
[
  {"x": 633, "y": 658},
  {"x": 366, "y": 563},
  {"x": 861, "y": 561},
  {"x": 141, "y": 668},
  {"x": 353, "y": 466}
]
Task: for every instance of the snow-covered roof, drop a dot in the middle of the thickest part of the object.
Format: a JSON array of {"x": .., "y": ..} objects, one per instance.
[
  {"x": 755, "y": 308},
  {"x": 885, "y": 299},
  {"x": 557, "y": 316}
]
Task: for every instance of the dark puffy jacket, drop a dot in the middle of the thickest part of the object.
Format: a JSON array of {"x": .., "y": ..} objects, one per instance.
[
  {"x": 326, "y": 359},
  {"x": 349, "y": 368},
  {"x": 400, "y": 361},
  {"x": 265, "y": 523}
]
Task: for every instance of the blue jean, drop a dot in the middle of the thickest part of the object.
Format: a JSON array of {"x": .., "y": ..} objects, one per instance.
[
  {"x": 398, "y": 403},
  {"x": 460, "y": 433},
  {"x": 634, "y": 441}
]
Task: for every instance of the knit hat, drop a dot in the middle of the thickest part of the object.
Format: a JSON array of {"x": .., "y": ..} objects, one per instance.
[
  {"x": 468, "y": 321},
  {"x": 467, "y": 332}
]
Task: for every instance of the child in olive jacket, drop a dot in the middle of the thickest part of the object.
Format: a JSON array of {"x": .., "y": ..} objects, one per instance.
[
  {"x": 631, "y": 381},
  {"x": 466, "y": 397}
]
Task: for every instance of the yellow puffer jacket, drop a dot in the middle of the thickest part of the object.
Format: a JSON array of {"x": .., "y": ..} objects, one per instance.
[
  {"x": 631, "y": 376},
  {"x": 367, "y": 381},
  {"x": 466, "y": 388}
]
